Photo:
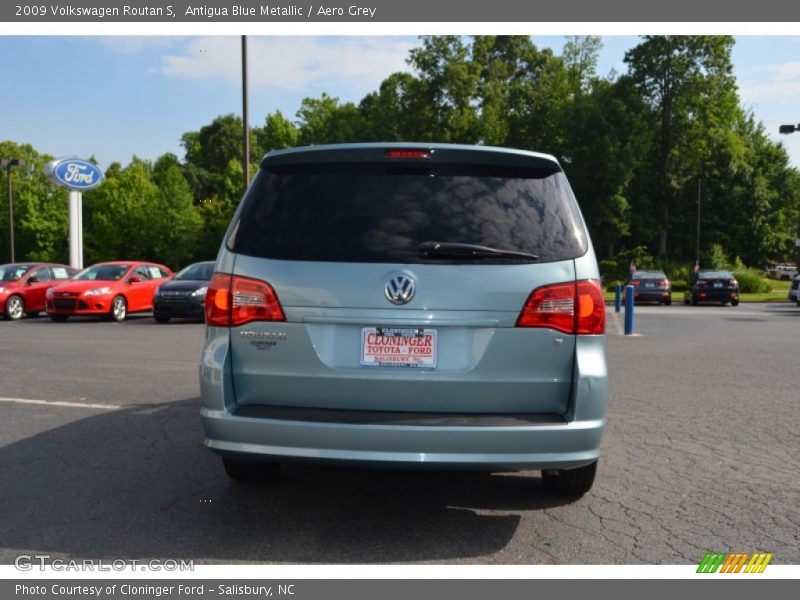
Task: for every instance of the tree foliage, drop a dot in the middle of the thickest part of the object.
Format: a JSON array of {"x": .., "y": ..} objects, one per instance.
[{"x": 644, "y": 151}]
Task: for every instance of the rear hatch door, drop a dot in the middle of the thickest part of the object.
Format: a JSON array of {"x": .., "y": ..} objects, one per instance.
[{"x": 337, "y": 236}]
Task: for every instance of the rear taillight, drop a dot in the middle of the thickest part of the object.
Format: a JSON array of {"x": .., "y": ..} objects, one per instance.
[
  {"x": 218, "y": 301},
  {"x": 636, "y": 282},
  {"x": 554, "y": 307},
  {"x": 232, "y": 300},
  {"x": 591, "y": 318},
  {"x": 663, "y": 283}
]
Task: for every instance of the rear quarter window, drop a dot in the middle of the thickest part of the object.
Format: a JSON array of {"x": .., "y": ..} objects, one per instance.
[
  {"x": 156, "y": 272},
  {"x": 380, "y": 213}
]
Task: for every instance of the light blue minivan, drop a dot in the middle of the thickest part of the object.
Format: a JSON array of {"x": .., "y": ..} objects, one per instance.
[{"x": 416, "y": 305}]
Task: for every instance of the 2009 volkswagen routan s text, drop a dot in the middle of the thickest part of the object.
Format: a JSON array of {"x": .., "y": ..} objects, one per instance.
[{"x": 406, "y": 304}]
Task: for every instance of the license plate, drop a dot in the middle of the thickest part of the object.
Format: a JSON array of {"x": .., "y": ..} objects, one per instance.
[
  {"x": 649, "y": 285},
  {"x": 717, "y": 285},
  {"x": 398, "y": 347}
]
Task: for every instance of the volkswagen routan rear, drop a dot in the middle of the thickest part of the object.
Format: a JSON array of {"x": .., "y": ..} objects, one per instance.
[{"x": 414, "y": 305}]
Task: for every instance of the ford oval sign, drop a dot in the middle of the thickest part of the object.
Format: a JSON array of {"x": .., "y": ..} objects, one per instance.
[{"x": 74, "y": 173}]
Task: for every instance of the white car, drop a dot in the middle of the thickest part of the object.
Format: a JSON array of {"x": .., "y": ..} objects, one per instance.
[{"x": 783, "y": 272}]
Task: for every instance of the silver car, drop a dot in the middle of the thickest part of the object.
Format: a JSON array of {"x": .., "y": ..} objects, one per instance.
[
  {"x": 794, "y": 291},
  {"x": 407, "y": 305}
]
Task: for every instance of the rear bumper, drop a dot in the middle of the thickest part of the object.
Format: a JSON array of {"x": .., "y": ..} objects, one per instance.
[
  {"x": 712, "y": 295},
  {"x": 651, "y": 295},
  {"x": 551, "y": 446},
  {"x": 470, "y": 441}
]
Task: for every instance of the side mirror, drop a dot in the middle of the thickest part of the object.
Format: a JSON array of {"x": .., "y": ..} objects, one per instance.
[
  {"x": 32, "y": 279},
  {"x": 134, "y": 279}
]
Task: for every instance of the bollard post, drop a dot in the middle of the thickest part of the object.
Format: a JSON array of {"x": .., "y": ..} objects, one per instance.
[
  {"x": 617, "y": 297},
  {"x": 628, "y": 309}
]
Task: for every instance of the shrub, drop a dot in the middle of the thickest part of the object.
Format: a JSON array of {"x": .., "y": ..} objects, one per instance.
[
  {"x": 680, "y": 285},
  {"x": 618, "y": 269},
  {"x": 718, "y": 258},
  {"x": 678, "y": 271},
  {"x": 751, "y": 282},
  {"x": 640, "y": 257},
  {"x": 609, "y": 270}
]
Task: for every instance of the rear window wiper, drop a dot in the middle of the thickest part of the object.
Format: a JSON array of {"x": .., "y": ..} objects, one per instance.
[{"x": 459, "y": 250}]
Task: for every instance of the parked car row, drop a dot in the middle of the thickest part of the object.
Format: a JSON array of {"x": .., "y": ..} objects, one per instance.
[
  {"x": 108, "y": 289},
  {"x": 706, "y": 286}
]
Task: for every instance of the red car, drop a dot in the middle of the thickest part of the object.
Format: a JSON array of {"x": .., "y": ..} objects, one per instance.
[
  {"x": 111, "y": 289},
  {"x": 23, "y": 286}
]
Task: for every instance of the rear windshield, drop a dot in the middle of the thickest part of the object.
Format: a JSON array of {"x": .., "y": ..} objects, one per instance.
[
  {"x": 714, "y": 275},
  {"x": 649, "y": 275},
  {"x": 381, "y": 213}
]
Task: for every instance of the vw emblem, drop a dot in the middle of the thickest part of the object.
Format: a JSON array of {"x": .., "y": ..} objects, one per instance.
[{"x": 399, "y": 288}]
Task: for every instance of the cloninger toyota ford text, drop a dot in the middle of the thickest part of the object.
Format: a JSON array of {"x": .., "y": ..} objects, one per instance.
[{"x": 406, "y": 304}]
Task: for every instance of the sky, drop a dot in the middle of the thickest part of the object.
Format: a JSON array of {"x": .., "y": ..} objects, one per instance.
[{"x": 113, "y": 97}]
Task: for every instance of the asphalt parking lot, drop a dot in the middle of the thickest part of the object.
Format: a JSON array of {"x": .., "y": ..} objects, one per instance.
[{"x": 101, "y": 456}]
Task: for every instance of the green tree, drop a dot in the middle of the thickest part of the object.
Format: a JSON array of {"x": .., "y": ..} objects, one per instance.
[
  {"x": 677, "y": 75},
  {"x": 177, "y": 224},
  {"x": 209, "y": 150},
  {"x": 395, "y": 113},
  {"x": 580, "y": 58},
  {"x": 40, "y": 209},
  {"x": 324, "y": 120},
  {"x": 142, "y": 212},
  {"x": 449, "y": 80},
  {"x": 215, "y": 215},
  {"x": 278, "y": 133},
  {"x": 606, "y": 137}
]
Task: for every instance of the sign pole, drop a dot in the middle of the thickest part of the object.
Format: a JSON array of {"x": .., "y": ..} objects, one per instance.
[
  {"x": 10, "y": 213},
  {"x": 76, "y": 229},
  {"x": 76, "y": 175}
]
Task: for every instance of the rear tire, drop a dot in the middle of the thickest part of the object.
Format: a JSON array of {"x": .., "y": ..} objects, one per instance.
[
  {"x": 250, "y": 471},
  {"x": 736, "y": 303},
  {"x": 572, "y": 482},
  {"x": 694, "y": 301},
  {"x": 668, "y": 302}
]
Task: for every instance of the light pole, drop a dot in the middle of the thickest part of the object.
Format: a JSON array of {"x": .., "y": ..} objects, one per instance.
[
  {"x": 786, "y": 129},
  {"x": 699, "y": 183},
  {"x": 245, "y": 124},
  {"x": 7, "y": 163}
]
